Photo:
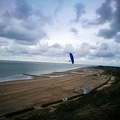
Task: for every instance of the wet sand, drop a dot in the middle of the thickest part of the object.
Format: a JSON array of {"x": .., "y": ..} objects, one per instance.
[{"x": 20, "y": 94}]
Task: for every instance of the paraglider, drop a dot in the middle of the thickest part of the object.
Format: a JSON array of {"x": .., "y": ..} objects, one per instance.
[{"x": 71, "y": 58}]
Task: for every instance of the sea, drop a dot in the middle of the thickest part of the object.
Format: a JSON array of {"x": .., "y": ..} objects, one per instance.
[{"x": 16, "y": 70}]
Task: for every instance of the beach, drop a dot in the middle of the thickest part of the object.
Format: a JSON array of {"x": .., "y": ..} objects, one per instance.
[{"x": 21, "y": 94}]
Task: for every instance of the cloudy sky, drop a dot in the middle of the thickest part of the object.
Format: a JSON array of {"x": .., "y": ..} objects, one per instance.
[{"x": 47, "y": 30}]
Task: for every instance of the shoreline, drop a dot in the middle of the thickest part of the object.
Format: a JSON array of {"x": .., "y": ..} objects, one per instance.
[
  {"x": 26, "y": 76},
  {"x": 49, "y": 74},
  {"x": 19, "y": 94}
]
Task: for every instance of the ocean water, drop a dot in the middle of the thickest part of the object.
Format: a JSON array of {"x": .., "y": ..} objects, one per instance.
[{"x": 15, "y": 70}]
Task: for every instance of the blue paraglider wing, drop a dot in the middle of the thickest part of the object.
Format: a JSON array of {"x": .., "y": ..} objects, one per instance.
[{"x": 71, "y": 58}]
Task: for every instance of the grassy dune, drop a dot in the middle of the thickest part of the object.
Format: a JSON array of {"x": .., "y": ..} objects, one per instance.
[{"x": 103, "y": 104}]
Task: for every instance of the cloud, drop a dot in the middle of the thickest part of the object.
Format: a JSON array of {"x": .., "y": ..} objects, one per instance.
[
  {"x": 17, "y": 50},
  {"x": 104, "y": 12},
  {"x": 22, "y": 9},
  {"x": 74, "y": 31},
  {"x": 56, "y": 45},
  {"x": 68, "y": 48},
  {"x": 83, "y": 50},
  {"x": 109, "y": 13},
  {"x": 44, "y": 50},
  {"x": 80, "y": 10},
  {"x": 21, "y": 35},
  {"x": 107, "y": 33},
  {"x": 22, "y": 25},
  {"x": 25, "y": 25},
  {"x": 58, "y": 8},
  {"x": 117, "y": 38},
  {"x": 105, "y": 51}
]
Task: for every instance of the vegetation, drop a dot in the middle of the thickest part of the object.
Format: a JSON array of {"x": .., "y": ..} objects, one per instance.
[{"x": 98, "y": 105}]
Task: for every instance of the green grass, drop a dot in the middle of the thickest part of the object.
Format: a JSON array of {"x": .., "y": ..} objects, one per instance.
[{"x": 98, "y": 105}]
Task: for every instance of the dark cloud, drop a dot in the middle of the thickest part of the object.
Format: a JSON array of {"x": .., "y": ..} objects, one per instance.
[
  {"x": 15, "y": 25},
  {"x": 21, "y": 35},
  {"x": 104, "y": 51},
  {"x": 7, "y": 14},
  {"x": 44, "y": 19},
  {"x": 2, "y": 26},
  {"x": 104, "y": 54},
  {"x": 80, "y": 10},
  {"x": 112, "y": 17},
  {"x": 22, "y": 9},
  {"x": 74, "y": 30},
  {"x": 13, "y": 34},
  {"x": 104, "y": 46},
  {"x": 104, "y": 12},
  {"x": 117, "y": 38},
  {"x": 37, "y": 20},
  {"x": 106, "y": 33},
  {"x": 56, "y": 45}
]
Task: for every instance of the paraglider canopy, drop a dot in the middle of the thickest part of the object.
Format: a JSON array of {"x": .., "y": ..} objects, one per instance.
[{"x": 71, "y": 58}]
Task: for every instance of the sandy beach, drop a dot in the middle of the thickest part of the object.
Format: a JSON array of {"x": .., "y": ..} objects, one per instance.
[{"x": 20, "y": 94}]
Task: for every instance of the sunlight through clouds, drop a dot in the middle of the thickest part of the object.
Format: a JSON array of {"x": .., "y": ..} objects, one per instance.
[{"x": 49, "y": 29}]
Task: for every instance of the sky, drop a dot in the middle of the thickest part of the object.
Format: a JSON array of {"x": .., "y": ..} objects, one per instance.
[{"x": 48, "y": 30}]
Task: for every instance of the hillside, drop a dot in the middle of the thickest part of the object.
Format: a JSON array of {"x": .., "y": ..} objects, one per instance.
[{"x": 103, "y": 104}]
